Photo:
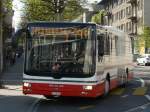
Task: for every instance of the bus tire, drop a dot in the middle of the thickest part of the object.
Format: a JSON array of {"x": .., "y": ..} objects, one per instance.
[
  {"x": 127, "y": 75},
  {"x": 48, "y": 97},
  {"x": 126, "y": 78},
  {"x": 107, "y": 87}
]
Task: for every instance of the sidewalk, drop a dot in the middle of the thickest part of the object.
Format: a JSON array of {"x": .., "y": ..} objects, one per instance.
[
  {"x": 13, "y": 74},
  {"x": 10, "y": 90}
]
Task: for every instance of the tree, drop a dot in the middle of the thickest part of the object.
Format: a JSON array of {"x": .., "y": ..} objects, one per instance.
[
  {"x": 73, "y": 9},
  {"x": 8, "y": 4},
  {"x": 5, "y": 6},
  {"x": 36, "y": 10},
  {"x": 147, "y": 36},
  {"x": 7, "y": 23},
  {"x": 52, "y": 10},
  {"x": 99, "y": 17},
  {"x": 144, "y": 39}
]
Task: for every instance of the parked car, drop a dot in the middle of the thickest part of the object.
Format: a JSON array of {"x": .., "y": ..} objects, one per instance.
[{"x": 144, "y": 60}]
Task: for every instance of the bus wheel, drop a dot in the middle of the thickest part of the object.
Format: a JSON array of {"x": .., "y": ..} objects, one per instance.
[
  {"x": 127, "y": 75},
  {"x": 126, "y": 78},
  {"x": 107, "y": 87},
  {"x": 48, "y": 97}
]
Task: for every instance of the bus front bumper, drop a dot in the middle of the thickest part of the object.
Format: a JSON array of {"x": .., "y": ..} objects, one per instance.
[{"x": 63, "y": 89}]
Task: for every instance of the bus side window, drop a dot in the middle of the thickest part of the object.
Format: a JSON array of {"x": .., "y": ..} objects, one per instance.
[{"x": 100, "y": 39}]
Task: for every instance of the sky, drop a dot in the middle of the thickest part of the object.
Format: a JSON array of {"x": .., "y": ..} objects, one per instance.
[
  {"x": 92, "y": 1},
  {"x": 17, "y": 6}
]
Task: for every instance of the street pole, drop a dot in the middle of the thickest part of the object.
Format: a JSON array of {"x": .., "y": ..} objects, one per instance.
[
  {"x": 60, "y": 5},
  {"x": 84, "y": 17},
  {"x": 58, "y": 17},
  {"x": 1, "y": 39},
  {"x": 58, "y": 11}
]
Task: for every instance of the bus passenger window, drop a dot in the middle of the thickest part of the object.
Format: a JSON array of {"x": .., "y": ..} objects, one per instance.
[
  {"x": 100, "y": 39},
  {"x": 107, "y": 45}
]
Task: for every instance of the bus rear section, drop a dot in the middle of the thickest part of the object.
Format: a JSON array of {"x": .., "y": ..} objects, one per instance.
[
  {"x": 60, "y": 60},
  {"x": 63, "y": 89}
]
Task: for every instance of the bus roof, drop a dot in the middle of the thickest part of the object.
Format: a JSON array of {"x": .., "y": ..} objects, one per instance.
[{"x": 58, "y": 24}]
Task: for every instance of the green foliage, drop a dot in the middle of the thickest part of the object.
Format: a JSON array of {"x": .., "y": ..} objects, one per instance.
[
  {"x": 95, "y": 19},
  {"x": 46, "y": 10},
  {"x": 72, "y": 10},
  {"x": 98, "y": 18},
  {"x": 8, "y": 4},
  {"x": 144, "y": 39},
  {"x": 139, "y": 43},
  {"x": 36, "y": 10},
  {"x": 146, "y": 35}
]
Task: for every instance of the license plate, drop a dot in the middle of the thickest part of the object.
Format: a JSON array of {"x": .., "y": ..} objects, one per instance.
[{"x": 56, "y": 93}]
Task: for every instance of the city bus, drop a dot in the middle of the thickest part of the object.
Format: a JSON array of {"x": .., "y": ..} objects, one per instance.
[{"x": 75, "y": 59}]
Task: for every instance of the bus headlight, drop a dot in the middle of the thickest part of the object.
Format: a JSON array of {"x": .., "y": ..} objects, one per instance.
[
  {"x": 87, "y": 87},
  {"x": 26, "y": 84}
]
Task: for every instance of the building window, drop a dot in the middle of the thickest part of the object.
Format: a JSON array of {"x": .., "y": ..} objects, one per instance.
[
  {"x": 122, "y": 27},
  {"x": 141, "y": 4},
  {"x": 130, "y": 10},
  {"x": 111, "y": 44},
  {"x": 120, "y": 2},
  {"x": 126, "y": 27},
  {"x": 124, "y": 12},
  {"x": 130, "y": 26},
  {"x": 112, "y": 18},
  {"x": 138, "y": 5},
  {"x": 117, "y": 16},
  {"x": 127, "y": 11},
  {"x": 121, "y": 14}
]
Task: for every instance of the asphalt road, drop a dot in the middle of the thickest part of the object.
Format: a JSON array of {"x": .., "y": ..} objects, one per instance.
[{"x": 134, "y": 98}]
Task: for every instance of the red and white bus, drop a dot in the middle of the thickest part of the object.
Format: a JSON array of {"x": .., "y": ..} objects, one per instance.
[{"x": 75, "y": 59}]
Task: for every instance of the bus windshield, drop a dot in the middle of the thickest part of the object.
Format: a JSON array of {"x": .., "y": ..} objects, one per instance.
[{"x": 60, "y": 52}]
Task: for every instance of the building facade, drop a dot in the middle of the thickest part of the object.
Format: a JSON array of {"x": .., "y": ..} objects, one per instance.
[
  {"x": 129, "y": 16},
  {"x": 122, "y": 14}
]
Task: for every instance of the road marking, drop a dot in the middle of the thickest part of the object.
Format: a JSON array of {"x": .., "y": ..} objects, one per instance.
[
  {"x": 117, "y": 91},
  {"x": 86, "y": 107},
  {"x": 34, "y": 106},
  {"x": 148, "y": 97},
  {"x": 138, "y": 107},
  {"x": 140, "y": 91},
  {"x": 142, "y": 82},
  {"x": 143, "y": 107},
  {"x": 124, "y": 96}
]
